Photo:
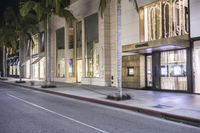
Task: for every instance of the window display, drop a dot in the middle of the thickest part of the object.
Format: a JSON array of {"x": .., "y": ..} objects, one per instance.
[
  {"x": 35, "y": 46},
  {"x": 130, "y": 71},
  {"x": 177, "y": 70},
  {"x": 42, "y": 41},
  {"x": 173, "y": 70},
  {"x": 71, "y": 67},
  {"x": 164, "y": 19},
  {"x": 164, "y": 71}
]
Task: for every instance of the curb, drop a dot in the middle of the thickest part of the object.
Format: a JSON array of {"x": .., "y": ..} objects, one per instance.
[{"x": 167, "y": 116}]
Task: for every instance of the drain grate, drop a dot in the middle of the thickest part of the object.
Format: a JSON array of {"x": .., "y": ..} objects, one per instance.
[{"x": 160, "y": 106}]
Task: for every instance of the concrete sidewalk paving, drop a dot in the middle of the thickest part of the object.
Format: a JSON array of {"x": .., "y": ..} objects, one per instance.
[{"x": 180, "y": 107}]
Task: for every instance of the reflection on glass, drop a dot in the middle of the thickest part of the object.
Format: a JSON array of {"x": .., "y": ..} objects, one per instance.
[
  {"x": 71, "y": 67},
  {"x": 92, "y": 47}
]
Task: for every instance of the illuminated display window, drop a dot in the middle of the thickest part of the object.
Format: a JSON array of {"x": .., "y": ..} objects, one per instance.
[
  {"x": 42, "y": 41},
  {"x": 71, "y": 67},
  {"x": 163, "y": 19},
  {"x": 35, "y": 46},
  {"x": 173, "y": 70},
  {"x": 130, "y": 71},
  {"x": 164, "y": 71}
]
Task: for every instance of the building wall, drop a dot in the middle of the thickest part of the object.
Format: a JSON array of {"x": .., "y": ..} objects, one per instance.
[
  {"x": 194, "y": 18},
  {"x": 138, "y": 79},
  {"x": 130, "y": 21}
]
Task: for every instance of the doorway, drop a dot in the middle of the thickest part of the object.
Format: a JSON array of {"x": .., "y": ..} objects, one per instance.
[
  {"x": 196, "y": 66},
  {"x": 149, "y": 71},
  {"x": 79, "y": 70}
]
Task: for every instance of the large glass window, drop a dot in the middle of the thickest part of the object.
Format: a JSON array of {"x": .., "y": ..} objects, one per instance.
[
  {"x": 79, "y": 40},
  {"x": 60, "y": 52},
  {"x": 71, "y": 37},
  {"x": 71, "y": 67},
  {"x": 196, "y": 66},
  {"x": 173, "y": 70},
  {"x": 42, "y": 41},
  {"x": 35, "y": 46},
  {"x": 163, "y": 19},
  {"x": 92, "y": 48}
]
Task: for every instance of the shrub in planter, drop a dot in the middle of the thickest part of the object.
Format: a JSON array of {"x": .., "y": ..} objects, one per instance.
[{"x": 117, "y": 97}]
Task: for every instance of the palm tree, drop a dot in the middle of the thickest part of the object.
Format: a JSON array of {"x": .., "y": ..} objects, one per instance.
[
  {"x": 7, "y": 39},
  {"x": 22, "y": 27},
  {"x": 102, "y": 6},
  {"x": 44, "y": 9}
]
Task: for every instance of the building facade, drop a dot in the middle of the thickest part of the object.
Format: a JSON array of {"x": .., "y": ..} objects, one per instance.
[{"x": 160, "y": 46}]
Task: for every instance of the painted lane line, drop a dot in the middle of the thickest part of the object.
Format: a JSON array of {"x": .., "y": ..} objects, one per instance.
[{"x": 55, "y": 113}]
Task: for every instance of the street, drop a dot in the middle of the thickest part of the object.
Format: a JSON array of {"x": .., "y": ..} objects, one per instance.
[{"x": 28, "y": 111}]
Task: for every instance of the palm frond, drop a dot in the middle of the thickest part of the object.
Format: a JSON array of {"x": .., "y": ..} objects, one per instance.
[
  {"x": 102, "y": 6},
  {"x": 135, "y": 4},
  {"x": 69, "y": 17}
]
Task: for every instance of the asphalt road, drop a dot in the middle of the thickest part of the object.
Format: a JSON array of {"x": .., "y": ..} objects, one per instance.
[{"x": 28, "y": 111}]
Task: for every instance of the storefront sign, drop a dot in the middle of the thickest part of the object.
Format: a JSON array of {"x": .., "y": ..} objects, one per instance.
[{"x": 141, "y": 45}]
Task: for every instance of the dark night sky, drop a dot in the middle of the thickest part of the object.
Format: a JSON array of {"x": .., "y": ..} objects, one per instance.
[{"x": 8, "y": 3}]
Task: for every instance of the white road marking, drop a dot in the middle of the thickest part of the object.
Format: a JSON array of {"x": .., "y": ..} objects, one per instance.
[{"x": 50, "y": 111}]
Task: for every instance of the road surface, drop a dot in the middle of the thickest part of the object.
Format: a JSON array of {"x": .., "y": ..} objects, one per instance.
[{"x": 28, "y": 111}]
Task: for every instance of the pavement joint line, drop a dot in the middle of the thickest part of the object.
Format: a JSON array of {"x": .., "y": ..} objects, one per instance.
[
  {"x": 150, "y": 112},
  {"x": 58, "y": 114}
]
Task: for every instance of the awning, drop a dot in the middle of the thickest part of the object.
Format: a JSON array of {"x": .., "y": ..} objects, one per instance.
[
  {"x": 177, "y": 42},
  {"x": 39, "y": 58},
  {"x": 88, "y": 7}
]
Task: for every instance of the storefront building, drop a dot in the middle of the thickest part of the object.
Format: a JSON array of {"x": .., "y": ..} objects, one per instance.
[
  {"x": 161, "y": 46},
  {"x": 33, "y": 59},
  {"x": 160, "y": 58}
]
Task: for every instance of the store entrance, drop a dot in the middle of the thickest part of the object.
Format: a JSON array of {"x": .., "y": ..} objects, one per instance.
[
  {"x": 79, "y": 70},
  {"x": 149, "y": 71},
  {"x": 196, "y": 66}
]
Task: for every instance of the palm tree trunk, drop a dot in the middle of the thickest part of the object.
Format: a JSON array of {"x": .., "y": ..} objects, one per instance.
[
  {"x": 4, "y": 61},
  {"x": 48, "y": 53},
  {"x": 119, "y": 49},
  {"x": 31, "y": 60},
  {"x": 20, "y": 60}
]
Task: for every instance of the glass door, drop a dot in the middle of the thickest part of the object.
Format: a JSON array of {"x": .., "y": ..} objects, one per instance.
[
  {"x": 149, "y": 71},
  {"x": 79, "y": 70},
  {"x": 196, "y": 66}
]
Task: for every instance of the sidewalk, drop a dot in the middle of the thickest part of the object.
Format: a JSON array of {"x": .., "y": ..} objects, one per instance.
[{"x": 180, "y": 107}]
